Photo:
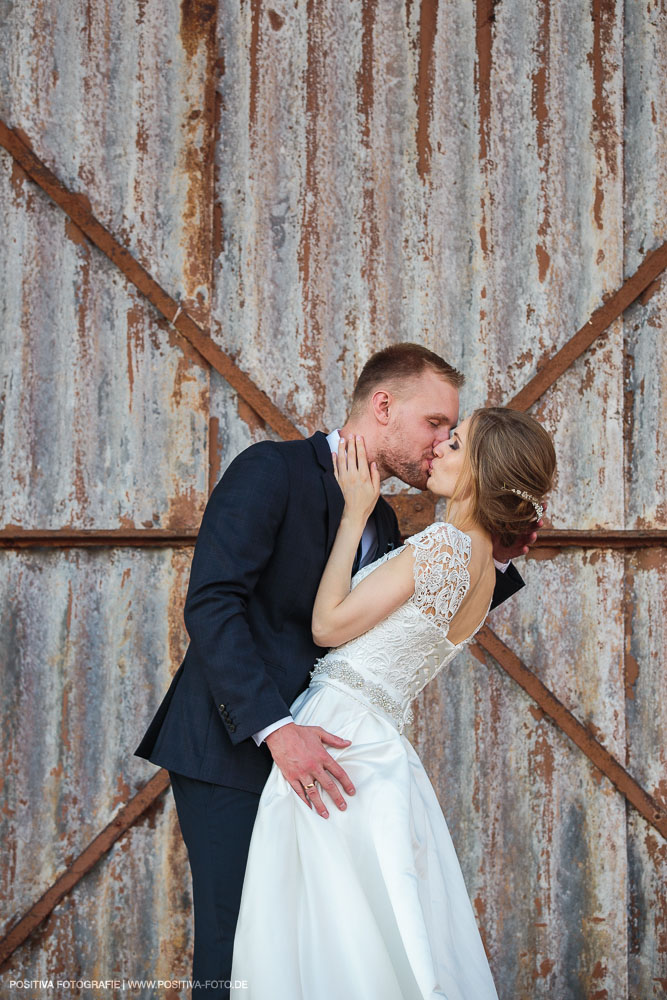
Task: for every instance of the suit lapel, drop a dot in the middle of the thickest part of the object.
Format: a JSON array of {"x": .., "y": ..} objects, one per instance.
[
  {"x": 335, "y": 501},
  {"x": 385, "y": 521}
]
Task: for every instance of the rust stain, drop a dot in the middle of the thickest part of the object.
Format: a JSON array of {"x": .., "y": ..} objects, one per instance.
[
  {"x": 484, "y": 19},
  {"x": 255, "y": 12},
  {"x": 275, "y": 19},
  {"x": 428, "y": 21},
  {"x": 135, "y": 339},
  {"x": 18, "y": 178},
  {"x": 601, "y": 62},
  {"x": 541, "y": 113},
  {"x": 214, "y": 457},
  {"x": 365, "y": 92},
  {"x": 485, "y": 16},
  {"x": 217, "y": 230},
  {"x": 630, "y": 664},
  {"x": 198, "y": 28},
  {"x": 185, "y": 510},
  {"x": 123, "y": 793},
  {"x": 177, "y": 635},
  {"x": 74, "y": 234},
  {"x": 309, "y": 243},
  {"x": 197, "y": 19},
  {"x": 70, "y": 602},
  {"x": 545, "y": 966},
  {"x": 365, "y": 71},
  {"x": 598, "y": 202}
]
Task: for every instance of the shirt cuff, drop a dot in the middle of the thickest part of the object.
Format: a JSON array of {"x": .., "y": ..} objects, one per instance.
[
  {"x": 261, "y": 735},
  {"x": 502, "y": 566}
]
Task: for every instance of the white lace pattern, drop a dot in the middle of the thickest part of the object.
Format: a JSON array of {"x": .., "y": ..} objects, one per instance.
[{"x": 390, "y": 664}]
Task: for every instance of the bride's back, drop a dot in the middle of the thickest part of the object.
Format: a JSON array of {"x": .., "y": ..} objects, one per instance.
[{"x": 475, "y": 604}]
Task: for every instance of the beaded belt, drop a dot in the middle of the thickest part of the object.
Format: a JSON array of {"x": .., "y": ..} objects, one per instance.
[{"x": 376, "y": 694}]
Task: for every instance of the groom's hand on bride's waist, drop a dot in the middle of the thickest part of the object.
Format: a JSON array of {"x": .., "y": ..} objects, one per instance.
[{"x": 299, "y": 753}]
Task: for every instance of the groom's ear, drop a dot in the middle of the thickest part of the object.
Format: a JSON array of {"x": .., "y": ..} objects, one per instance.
[{"x": 381, "y": 402}]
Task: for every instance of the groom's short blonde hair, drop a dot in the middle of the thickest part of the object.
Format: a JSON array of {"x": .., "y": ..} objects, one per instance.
[{"x": 397, "y": 364}]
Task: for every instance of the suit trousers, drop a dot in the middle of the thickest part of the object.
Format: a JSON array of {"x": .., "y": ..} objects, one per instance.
[{"x": 216, "y": 823}]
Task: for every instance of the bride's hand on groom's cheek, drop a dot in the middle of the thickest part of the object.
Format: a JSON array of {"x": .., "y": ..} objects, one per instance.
[{"x": 359, "y": 481}]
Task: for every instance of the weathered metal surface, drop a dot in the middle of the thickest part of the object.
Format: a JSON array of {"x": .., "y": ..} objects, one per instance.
[
  {"x": 645, "y": 168},
  {"x": 646, "y": 715},
  {"x": 448, "y": 172},
  {"x": 118, "y": 100},
  {"x": 103, "y": 420},
  {"x": 645, "y": 171},
  {"x": 80, "y": 216},
  {"x": 89, "y": 640},
  {"x": 555, "y": 711}
]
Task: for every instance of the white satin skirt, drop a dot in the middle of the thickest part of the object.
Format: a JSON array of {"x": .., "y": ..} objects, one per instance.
[{"x": 369, "y": 904}]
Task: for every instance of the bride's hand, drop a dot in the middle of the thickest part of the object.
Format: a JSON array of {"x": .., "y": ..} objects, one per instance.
[{"x": 359, "y": 482}]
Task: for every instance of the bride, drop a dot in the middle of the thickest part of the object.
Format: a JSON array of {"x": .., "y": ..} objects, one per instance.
[{"x": 369, "y": 902}]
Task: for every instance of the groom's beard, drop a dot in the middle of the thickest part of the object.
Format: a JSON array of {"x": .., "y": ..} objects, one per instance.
[{"x": 404, "y": 467}]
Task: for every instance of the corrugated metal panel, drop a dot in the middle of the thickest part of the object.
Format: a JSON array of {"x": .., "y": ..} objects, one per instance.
[
  {"x": 472, "y": 176},
  {"x": 645, "y": 170},
  {"x": 645, "y": 668},
  {"x": 89, "y": 641}
]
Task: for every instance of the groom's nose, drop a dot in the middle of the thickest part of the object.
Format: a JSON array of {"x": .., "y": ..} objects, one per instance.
[{"x": 441, "y": 434}]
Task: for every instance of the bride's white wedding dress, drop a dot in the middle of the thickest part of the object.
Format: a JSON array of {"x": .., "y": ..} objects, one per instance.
[{"x": 369, "y": 904}]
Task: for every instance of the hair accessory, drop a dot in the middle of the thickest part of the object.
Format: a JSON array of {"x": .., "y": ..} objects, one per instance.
[{"x": 539, "y": 509}]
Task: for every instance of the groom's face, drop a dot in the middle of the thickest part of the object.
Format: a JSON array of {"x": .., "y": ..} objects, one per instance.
[{"x": 420, "y": 419}]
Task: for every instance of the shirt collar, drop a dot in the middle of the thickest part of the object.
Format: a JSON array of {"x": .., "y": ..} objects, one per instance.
[{"x": 333, "y": 438}]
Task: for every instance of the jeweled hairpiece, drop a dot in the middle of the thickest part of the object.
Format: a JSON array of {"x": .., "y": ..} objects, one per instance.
[{"x": 539, "y": 509}]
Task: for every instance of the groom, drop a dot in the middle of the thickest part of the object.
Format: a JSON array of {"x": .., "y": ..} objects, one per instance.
[{"x": 264, "y": 540}]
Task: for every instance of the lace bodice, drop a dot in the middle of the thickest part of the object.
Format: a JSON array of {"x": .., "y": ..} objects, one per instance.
[{"x": 390, "y": 664}]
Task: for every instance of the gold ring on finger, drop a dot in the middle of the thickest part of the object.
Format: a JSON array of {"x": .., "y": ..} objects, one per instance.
[{"x": 311, "y": 785}]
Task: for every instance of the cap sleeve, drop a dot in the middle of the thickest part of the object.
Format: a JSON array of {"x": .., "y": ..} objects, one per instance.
[{"x": 441, "y": 557}]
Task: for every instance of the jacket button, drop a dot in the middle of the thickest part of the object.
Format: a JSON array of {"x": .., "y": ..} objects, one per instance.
[
  {"x": 221, "y": 707},
  {"x": 232, "y": 726}
]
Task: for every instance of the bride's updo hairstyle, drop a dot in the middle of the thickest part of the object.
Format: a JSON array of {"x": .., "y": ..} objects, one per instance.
[{"x": 508, "y": 454}]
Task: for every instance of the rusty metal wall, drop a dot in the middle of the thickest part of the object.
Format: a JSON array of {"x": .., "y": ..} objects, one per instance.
[{"x": 313, "y": 181}]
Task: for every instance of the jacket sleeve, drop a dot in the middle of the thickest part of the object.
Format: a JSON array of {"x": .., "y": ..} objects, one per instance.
[
  {"x": 235, "y": 542},
  {"x": 507, "y": 583}
]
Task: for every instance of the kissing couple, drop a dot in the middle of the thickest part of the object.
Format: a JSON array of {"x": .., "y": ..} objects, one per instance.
[{"x": 322, "y": 865}]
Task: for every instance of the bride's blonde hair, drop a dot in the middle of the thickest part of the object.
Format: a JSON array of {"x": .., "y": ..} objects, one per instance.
[{"x": 508, "y": 455}]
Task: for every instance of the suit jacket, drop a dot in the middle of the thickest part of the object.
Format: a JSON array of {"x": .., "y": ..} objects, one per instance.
[{"x": 264, "y": 540}]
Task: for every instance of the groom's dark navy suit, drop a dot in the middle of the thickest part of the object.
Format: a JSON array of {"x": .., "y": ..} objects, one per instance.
[{"x": 264, "y": 540}]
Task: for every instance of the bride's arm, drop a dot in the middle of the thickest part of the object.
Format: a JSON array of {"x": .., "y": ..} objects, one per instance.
[{"x": 340, "y": 614}]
